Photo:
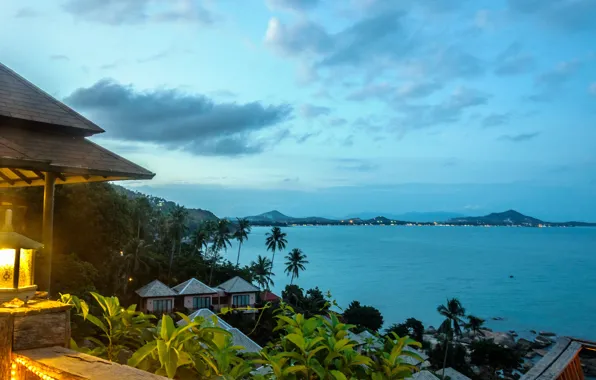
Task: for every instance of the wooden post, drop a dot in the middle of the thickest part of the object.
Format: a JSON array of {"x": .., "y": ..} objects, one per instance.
[
  {"x": 5, "y": 346},
  {"x": 48, "y": 228}
]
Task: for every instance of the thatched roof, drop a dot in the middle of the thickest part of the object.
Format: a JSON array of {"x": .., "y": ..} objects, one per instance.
[
  {"x": 155, "y": 289},
  {"x": 193, "y": 286},
  {"x": 238, "y": 285}
]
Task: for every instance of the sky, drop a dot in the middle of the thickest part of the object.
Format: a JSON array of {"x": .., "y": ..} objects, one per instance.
[{"x": 320, "y": 107}]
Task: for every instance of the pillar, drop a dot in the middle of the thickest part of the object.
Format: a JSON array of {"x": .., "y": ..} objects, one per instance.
[{"x": 48, "y": 229}]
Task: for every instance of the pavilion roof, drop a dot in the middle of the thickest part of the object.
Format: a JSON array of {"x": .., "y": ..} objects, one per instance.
[{"x": 39, "y": 134}]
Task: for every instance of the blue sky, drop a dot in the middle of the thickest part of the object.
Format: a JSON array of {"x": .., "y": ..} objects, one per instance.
[{"x": 329, "y": 107}]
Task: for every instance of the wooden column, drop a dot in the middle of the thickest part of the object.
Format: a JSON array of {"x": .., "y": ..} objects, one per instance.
[
  {"x": 5, "y": 345},
  {"x": 48, "y": 228}
]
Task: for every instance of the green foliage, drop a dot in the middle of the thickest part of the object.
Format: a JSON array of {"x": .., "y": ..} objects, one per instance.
[
  {"x": 411, "y": 327},
  {"x": 365, "y": 317},
  {"x": 262, "y": 272},
  {"x": 475, "y": 325},
  {"x": 493, "y": 356},
  {"x": 275, "y": 241},
  {"x": 310, "y": 304},
  {"x": 456, "y": 357}
]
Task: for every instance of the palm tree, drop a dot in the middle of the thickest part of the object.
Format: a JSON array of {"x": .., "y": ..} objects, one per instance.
[
  {"x": 296, "y": 260},
  {"x": 176, "y": 231},
  {"x": 204, "y": 235},
  {"x": 475, "y": 325},
  {"x": 261, "y": 270},
  {"x": 136, "y": 260},
  {"x": 142, "y": 213},
  {"x": 453, "y": 312},
  {"x": 221, "y": 235},
  {"x": 276, "y": 241},
  {"x": 241, "y": 234}
]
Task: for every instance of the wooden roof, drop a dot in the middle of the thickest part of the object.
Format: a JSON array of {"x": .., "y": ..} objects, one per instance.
[
  {"x": 39, "y": 134},
  {"x": 562, "y": 357},
  {"x": 21, "y": 99}
]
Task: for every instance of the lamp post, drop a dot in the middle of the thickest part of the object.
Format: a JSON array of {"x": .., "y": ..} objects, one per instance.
[{"x": 17, "y": 263}]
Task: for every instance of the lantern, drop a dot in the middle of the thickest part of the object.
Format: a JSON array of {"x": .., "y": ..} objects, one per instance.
[{"x": 17, "y": 263}]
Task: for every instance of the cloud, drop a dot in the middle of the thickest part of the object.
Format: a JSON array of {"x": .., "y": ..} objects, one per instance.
[
  {"x": 189, "y": 122},
  {"x": 567, "y": 15},
  {"x": 305, "y": 37},
  {"x": 59, "y": 57},
  {"x": 310, "y": 111},
  {"x": 154, "y": 57},
  {"x": 496, "y": 119},
  {"x": 513, "y": 61},
  {"x": 293, "y": 5},
  {"x": 337, "y": 122},
  {"x": 448, "y": 111},
  {"x": 592, "y": 89},
  {"x": 120, "y": 12},
  {"x": 109, "y": 66},
  {"x": 519, "y": 137},
  {"x": 387, "y": 92},
  {"x": 549, "y": 83},
  {"x": 355, "y": 165},
  {"x": 26, "y": 13}
]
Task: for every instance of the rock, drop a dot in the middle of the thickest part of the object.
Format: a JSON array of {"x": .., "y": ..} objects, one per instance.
[
  {"x": 541, "y": 342},
  {"x": 547, "y": 333},
  {"x": 430, "y": 330},
  {"x": 533, "y": 332},
  {"x": 501, "y": 338},
  {"x": 498, "y": 318},
  {"x": 466, "y": 340},
  {"x": 530, "y": 354},
  {"x": 524, "y": 345}
]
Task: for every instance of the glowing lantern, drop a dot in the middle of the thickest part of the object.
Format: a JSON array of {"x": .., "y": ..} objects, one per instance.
[{"x": 17, "y": 263}]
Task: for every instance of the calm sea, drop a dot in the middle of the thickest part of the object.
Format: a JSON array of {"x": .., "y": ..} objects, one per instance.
[{"x": 408, "y": 271}]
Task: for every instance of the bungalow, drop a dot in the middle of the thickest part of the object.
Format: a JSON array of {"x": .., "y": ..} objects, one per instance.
[
  {"x": 156, "y": 297},
  {"x": 194, "y": 295},
  {"x": 236, "y": 292}
]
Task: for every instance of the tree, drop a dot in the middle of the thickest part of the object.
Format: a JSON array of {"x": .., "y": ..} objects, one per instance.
[
  {"x": 142, "y": 213},
  {"x": 136, "y": 258},
  {"x": 203, "y": 235},
  {"x": 221, "y": 236},
  {"x": 475, "y": 325},
  {"x": 411, "y": 327},
  {"x": 241, "y": 234},
  {"x": 296, "y": 260},
  {"x": 495, "y": 357},
  {"x": 453, "y": 313},
  {"x": 456, "y": 357},
  {"x": 262, "y": 272},
  {"x": 276, "y": 241},
  {"x": 366, "y": 317},
  {"x": 177, "y": 228}
]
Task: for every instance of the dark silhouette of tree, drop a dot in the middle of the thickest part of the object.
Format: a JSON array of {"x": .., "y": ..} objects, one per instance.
[
  {"x": 453, "y": 312},
  {"x": 411, "y": 327},
  {"x": 241, "y": 234},
  {"x": 366, "y": 317},
  {"x": 276, "y": 241},
  {"x": 296, "y": 261},
  {"x": 262, "y": 274}
]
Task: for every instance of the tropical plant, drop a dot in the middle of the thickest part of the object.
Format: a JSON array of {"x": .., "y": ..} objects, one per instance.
[
  {"x": 203, "y": 235},
  {"x": 453, "y": 312},
  {"x": 390, "y": 362},
  {"x": 136, "y": 258},
  {"x": 142, "y": 210},
  {"x": 494, "y": 357},
  {"x": 177, "y": 228},
  {"x": 242, "y": 230},
  {"x": 120, "y": 328},
  {"x": 221, "y": 235},
  {"x": 276, "y": 241},
  {"x": 296, "y": 261},
  {"x": 475, "y": 325},
  {"x": 365, "y": 317},
  {"x": 262, "y": 273}
]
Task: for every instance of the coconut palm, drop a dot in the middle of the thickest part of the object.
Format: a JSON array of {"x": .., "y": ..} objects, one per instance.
[
  {"x": 276, "y": 241},
  {"x": 453, "y": 312},
  {"x": 261, "y": 270},
  {"x": 136, "y": 258},
  {"x": 475, "y": 325},
  {"x": 204, "y": 235},
  {"x": 177, "y": 227},
  {"x": 296, "y": 260},
  {"x": 241, "y": 234},
  {"x": 221, "y": 235}
]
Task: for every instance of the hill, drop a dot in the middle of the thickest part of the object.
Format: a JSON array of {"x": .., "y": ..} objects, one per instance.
[
  {"x": 433, "y": 216},
  {"x": 195, "y": 215},
  {"x": 509, "y": 217},
  {"x": 276, "y": 217}
]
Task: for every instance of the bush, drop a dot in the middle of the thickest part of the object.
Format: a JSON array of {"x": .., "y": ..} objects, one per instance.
[
  {"x": 365, "y": 317},
  {"x": 411, "y": 327}
]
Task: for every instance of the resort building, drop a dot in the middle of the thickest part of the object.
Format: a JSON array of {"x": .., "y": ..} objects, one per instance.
[
  {"x": 237, "y": 293},
  {"x": 156, "y": 298},
  {"x": 193, "y": 295}
]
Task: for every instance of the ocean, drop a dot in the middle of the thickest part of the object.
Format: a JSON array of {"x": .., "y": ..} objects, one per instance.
[{"x": 409, "y": 271}]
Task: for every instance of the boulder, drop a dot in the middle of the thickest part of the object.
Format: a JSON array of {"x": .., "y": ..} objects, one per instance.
[
  {"x": 501, "y": 338},
  {"x": 430, "y": 330},
  {"x": 523, "y": 345},
  {"x": 530, "y": 354},
  {"x": 541, "y": 342},
  {"x": 533, "y": 332},
  {"x": 498, "y": 318},
  {"x": 547, "y": 333}
]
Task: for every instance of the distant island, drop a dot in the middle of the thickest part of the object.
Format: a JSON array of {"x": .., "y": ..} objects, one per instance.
[{"x": 510, "y": 218}]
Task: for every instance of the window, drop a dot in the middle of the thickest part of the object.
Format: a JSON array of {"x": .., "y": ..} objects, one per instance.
[
  {"x": 201, "y": 302},
  {"x": 241, "y": 300},
  {"x": 162, "y": 306}
]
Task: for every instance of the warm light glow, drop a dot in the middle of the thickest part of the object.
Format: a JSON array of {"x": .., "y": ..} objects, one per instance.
[
  {"x": 25, "y": 268},
  {"x": 7, "y": 268},
  {"x": 121, "y": 253},
  {"x": 130, "y": 279},
  {"x": 31, "y": 367}
]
